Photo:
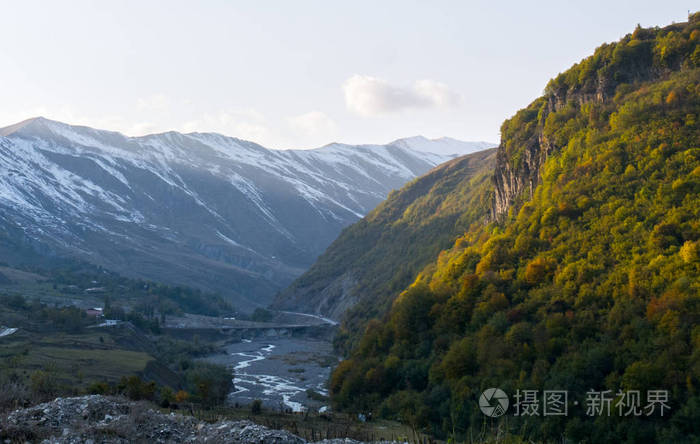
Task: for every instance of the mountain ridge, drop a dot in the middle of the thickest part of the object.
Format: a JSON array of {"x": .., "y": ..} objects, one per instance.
[
  {"x": 402, "y": 233},
  {"x": 411, "y": 142},
  {"x": 594, "y": 80},
  {"x": 204, "y": 209},
  {"x": 443, "y": 145}
]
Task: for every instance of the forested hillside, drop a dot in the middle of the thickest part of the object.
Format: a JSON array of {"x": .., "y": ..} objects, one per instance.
[
  {"x": 587, "y": 276},
  {"x": 380, "y": 255}
]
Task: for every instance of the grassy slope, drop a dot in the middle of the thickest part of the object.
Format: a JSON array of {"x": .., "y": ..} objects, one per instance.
[
  {"x": 71, "y": 360},
  {"x": 75, "y": 359}
]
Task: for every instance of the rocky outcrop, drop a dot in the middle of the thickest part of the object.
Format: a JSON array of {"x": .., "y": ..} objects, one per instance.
[
  {"x": 101, "y": 419},
  {"x": 524, "y": 148},
  {"x": 510, "y": 181}
]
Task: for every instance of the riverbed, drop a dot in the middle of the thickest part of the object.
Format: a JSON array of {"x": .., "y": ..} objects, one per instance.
[{"x": 279, "y": 371}]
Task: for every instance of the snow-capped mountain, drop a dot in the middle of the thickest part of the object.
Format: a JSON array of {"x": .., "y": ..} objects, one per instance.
[
  {"x": 199, "y": 209},
  {"x": 444, "y": 145}
]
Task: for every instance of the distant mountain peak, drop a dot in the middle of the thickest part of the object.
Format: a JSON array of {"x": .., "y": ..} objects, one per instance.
[
  {"x": 443, "y": 145},
  {"x": 418, "y": 138},
  {"x": 8, "y": 130}
]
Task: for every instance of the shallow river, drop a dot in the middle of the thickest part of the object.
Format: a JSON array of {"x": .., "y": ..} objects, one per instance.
[{"x": 279, "y": 371}]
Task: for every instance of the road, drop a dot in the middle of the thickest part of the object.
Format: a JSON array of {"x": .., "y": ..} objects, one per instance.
[{"x": 321, "y": 318}]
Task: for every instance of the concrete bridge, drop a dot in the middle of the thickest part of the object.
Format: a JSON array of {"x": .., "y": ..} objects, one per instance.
[{"x": 284, "y": 325}]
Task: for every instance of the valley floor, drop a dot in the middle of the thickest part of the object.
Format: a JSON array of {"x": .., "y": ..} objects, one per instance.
[{"x": 279, "y": 371}]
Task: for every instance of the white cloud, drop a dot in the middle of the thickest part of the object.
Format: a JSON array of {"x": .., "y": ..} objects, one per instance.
[
  {"x": 244, "y": 124},
  {"x": 436, "y": 93},
  {"x": 142, "y": 128},
  {"x": 371, "y": 96},
  {"x": 313, "y": 124},
  {"x": 155, "y": 102}
]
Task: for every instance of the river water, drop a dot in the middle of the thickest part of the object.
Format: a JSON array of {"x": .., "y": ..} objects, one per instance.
[{"x": 278, "y": 371}]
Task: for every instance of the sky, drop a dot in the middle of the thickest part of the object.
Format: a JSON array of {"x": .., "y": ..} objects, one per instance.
[{"x": 299, "y": 74}]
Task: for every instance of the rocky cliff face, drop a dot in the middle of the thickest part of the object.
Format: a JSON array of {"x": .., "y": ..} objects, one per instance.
[
  {"x": 510, "y": 181},
  {"x": 524, "y": 144},
  {"x": 517, "y": 180}
]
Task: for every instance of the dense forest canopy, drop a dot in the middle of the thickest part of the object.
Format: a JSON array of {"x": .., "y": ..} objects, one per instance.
[{"x": 592, "y": 282}]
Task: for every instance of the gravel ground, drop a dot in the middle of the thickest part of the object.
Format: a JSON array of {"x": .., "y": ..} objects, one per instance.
[
  {"x": 113, "y": 420},
  {"x": 100, "y": 419}
]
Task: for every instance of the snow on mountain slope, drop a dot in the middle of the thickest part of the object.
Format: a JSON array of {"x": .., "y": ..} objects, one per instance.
[
  {"x": 199, "y": 209},
  {"x": 444, "y": 146}
]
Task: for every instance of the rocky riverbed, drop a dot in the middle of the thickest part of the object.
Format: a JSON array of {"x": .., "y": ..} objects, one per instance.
[{"x": 279, "y": 371}]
